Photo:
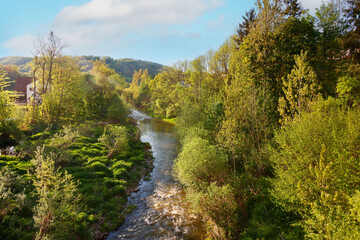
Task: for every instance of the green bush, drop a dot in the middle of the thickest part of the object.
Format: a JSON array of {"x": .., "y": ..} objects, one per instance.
[
  {"x": 101, "y": 159},
  {"x": 120, "y": 173},
  {"x": 316, "y": 162},
  {"x": 118, "y": 190},
  {"x": 122, "y": 164},
  {"x": 200, "y": 164},
  {"x": 136, "y": 159},
  {"x": 115, "y": 139},
  {"x": 97, "y": 166},
  {"x": 218, "y": 205}
]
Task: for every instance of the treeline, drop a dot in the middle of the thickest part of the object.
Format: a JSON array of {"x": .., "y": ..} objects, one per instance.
[
  {"x": 76, "y": 155},
  {"x": 126, "y": 66},
  {"x": 17, "y": 66},
  {"x": 269, "y": 124}
]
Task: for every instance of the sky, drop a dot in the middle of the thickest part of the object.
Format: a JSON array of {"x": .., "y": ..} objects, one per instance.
[{"x": 162, "y": 31}]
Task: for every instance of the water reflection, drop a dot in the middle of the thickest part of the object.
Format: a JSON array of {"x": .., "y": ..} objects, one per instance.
[{"x": 161, "y": 212}]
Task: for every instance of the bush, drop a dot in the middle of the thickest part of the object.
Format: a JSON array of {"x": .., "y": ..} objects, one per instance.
[
  {"x": 97, "y": 166},
  {"x": 121, "y": 173},
  {"x": 64, "y": 138},
  {"x": 115, "y": 139},
  {"x": 316, "y": 163},
  {"x": 122, "y": 164},
  {"x": 56, "y": 213},
  {"x": 218, "y": 205},
  {"x": 200, "y": 163}
]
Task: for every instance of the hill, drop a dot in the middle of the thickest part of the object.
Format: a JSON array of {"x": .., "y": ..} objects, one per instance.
[{"x": 125, "y": 66}]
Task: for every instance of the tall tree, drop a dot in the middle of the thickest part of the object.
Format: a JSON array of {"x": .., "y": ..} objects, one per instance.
[
  {"x": 244, "y": 27},
  {"x": 45, "y": 55},
  {"x": 300, "y": 89},
  {"x": 330, "y": 27},
  {"x": 292, "y": 8},
  {"x": 352, "y": 39}
]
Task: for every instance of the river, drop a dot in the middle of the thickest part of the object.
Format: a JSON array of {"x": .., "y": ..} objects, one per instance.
[{"x": 161, "y": 211}]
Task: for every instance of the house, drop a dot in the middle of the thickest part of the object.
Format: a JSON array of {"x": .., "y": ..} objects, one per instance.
[
  {"x": 20, "y": 87},
  {"x": 30, "y": 93}
]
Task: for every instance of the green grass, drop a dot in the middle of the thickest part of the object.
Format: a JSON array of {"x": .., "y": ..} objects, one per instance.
[
  {"x": 170, "y": 120},
  {"x": 102, "y": 182}
]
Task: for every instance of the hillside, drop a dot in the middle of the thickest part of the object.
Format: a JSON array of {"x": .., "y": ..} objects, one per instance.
[{"x": 125, "y": 66}]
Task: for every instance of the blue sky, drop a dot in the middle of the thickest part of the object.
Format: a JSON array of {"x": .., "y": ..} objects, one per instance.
[{"x": 162, "y": 31}]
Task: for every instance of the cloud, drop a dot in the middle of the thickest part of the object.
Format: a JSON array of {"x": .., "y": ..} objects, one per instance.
[
  {"x": 108, "y": 24},
  {"x": 22, "y": 45},
  {"x": 311, "y": 4},
  {"x": 137, "y": 12}
]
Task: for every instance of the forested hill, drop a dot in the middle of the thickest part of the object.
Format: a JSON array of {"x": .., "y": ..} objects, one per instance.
[{"x": 125, "y": 66}]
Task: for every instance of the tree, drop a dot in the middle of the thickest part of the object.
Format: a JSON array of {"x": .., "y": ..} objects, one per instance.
[
  {"x": 295, "y": 35},
  {"x": 200, "y": 164},
  {"x": 352, "y": 38},
  {"x": 60, "y": 103},
  {"x": 315, "y": 159},
  {"x": 331, "y": 27},
  {"x": 292, "y": 8},
  {"x": 300, "y": 89},
  {"x": 115, "y": 139},
  {"x": 348, "y": 86},
  {"x": 167, "y": 92},
  {"x": 9, "y": 120},
  {"x": 45, "y": 56},
  {"x": 138, "y": 77},
  {"x": 244, "y": 27},
  {"x": 58, "y": 210}
]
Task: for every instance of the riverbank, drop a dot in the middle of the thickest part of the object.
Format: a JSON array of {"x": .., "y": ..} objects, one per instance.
[
  {"x": 103, "y": 183},
  {"x": 161, "y": 211}
]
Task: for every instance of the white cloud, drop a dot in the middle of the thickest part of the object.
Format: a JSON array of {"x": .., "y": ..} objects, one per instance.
[
  {"x": 105, "y": 24},
  {"x": 311, "y": 4},
  {"x": 21, "y": 46},
  {"x": 135, "y": 12}
]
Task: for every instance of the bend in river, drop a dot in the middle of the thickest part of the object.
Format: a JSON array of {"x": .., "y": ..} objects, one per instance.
[{"x": 161, "y": 211}]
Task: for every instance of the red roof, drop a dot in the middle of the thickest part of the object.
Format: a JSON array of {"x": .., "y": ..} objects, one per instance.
[{"x": 21, "y": 83}]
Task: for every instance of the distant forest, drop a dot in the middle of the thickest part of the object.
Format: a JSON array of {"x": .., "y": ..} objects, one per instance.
[{"x": 124, "y": 66}]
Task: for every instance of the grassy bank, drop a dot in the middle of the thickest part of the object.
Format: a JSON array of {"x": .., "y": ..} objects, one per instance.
[{"x": 103, "y": 180}]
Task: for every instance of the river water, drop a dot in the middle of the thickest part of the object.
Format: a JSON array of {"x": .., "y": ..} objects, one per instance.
[{"x": 161, "y": 211}]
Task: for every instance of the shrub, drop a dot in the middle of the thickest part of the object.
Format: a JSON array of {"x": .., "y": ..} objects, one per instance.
[
  {"x": 115, "y": 139},
  {"x": 200, "y": 163},
  {"x": 97, "y": 166},
  {"x": 218, "y": 205},
  {"x": 122, "y": 164},
  {"x": 101, "y": 159},
  {"x": 120, "y": 173},
  {"x": 11, "y": 191},
  {"x": 64, "y": 138},
  {"x": 58, "y": 206},
  {"x": 316, "y": 163}
]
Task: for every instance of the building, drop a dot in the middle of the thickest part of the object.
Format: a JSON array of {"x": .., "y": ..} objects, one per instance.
[
  {"x": 21, "y": 88},
  {"x": 30, "y": 93}
]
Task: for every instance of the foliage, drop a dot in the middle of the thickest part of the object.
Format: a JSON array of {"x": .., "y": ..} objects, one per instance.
[
  {"x": 9, "y": 117},
  {"x": 316, "y": 164},
  {"x": 218, "y": 205},
  {"x": 115, "y": 139},
  {"x": 348, "y": 86},
  {"x": 200, "y": 164},
  {"x": 10, "y": 191},
  {"x": 58, "y": 211},
  {"x": 300, "y": 89}
]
